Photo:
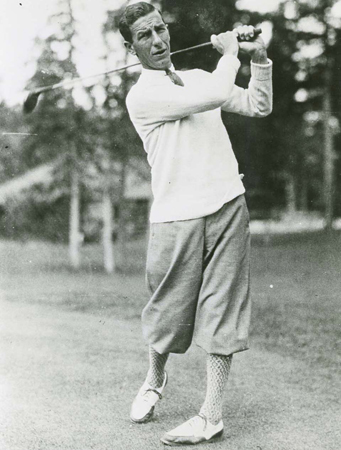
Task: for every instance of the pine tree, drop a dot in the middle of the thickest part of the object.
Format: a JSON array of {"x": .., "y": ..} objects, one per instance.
[
  {"x": 119, "y": 143},
  {"x": 61, "y": 126},
  {"x": 315, "y": 67}
]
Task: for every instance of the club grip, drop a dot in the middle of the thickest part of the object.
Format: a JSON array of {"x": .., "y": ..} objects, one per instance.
[{"x": 258, "y": 31}]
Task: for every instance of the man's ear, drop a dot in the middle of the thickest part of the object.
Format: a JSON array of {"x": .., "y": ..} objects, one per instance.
[{"x": 129, "y": 46}]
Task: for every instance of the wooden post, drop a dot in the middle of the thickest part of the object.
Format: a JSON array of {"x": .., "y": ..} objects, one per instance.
[
  {"x": 74, "y": 234},
  {"x": 290, "y": 189},
  {"x": 108, "y": 251},
  {"x": 328, "y": 153},
  {"x": 122, "y": 235}
]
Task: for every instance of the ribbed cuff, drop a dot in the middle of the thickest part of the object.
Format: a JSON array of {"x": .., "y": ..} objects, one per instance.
[
  {"x": 261, "y": 72},
  {"x": 227, "y": 61}
]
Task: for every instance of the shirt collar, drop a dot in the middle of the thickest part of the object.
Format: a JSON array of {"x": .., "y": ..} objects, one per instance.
[{"x": 148, "y": 74}]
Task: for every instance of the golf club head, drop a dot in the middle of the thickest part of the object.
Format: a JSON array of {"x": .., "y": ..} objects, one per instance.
[{"x": 31, "y": 102}]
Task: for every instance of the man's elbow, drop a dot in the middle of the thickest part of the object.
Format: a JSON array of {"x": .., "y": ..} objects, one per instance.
[
  {"x": 262, "y": 104},
  {"x": 263, "y": 110}
]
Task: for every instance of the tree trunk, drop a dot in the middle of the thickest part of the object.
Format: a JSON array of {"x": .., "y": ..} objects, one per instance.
[
  {"x": 74, "y": 234},
  {"x": 290, "y": 194},
  {"x": 328, "y": 154},
  {"x": 108, "y": 250},
  {"x": 121, "y": 229},
  {"x": 304, "y": 193}
]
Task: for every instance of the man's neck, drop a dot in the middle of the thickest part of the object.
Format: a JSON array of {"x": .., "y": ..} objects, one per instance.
[{"x": 164, "y": 69}]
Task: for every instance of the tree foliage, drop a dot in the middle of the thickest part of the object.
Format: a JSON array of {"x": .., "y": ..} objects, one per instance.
[
  {"x": 281, "y": 156},
  {"x": 284, "y": 148}
]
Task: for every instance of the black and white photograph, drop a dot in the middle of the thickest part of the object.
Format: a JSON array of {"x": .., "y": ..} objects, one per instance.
[{"x": 170, "y": 224}]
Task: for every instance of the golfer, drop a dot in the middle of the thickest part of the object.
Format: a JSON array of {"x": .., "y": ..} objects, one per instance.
[{"x": 199, "y": 246}]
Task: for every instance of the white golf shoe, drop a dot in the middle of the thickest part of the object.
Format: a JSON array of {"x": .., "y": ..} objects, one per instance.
[
  {"x": 143, "y": 405},
  {"x": 196, "y": 430}
]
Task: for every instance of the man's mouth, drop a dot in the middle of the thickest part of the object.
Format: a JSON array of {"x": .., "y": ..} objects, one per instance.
[{"x": 160, "y": 52}]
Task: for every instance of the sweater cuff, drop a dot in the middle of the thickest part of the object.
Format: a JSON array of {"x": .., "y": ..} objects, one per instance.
[
  {"x": 227, "y": 61},
  {"x": 261, "y": 72}
]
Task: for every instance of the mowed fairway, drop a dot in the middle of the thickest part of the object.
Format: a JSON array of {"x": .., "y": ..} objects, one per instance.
[{"x": 73, "y": 357}]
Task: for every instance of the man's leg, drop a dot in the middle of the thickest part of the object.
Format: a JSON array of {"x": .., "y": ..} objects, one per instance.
[
  {"x": 173, "y": 275},
  {"x": 224, "y": 306},
  {"x": 218, "y": 369},
  {"x": 143, "y": 405},
  {"x": 208, "y": 424},
  {"x": 156, "y": 373},
  {"x": 223, "y": 315}
]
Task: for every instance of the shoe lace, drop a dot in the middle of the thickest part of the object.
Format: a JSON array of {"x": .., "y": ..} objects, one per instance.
[
  {"x": 147, "y": 396},
  {"x": 196, "y": 419}
]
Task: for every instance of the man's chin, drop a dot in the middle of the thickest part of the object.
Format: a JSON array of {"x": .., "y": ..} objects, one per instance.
[
  {"x": 162, "y": 63},
  {"x": 165, "y": 66}
]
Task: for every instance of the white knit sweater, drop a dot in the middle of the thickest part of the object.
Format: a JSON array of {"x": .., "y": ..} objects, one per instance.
[{"x": 194, "y": 170}]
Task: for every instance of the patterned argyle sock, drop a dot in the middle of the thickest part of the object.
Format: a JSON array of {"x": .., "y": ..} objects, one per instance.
[
  {"x": 218, "y": 369},
  {"x": 156, "y": 373}
]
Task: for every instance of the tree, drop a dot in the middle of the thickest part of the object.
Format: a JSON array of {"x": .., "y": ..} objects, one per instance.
[
  {"x": 194, "y": 22},
  {"x": 60, "y": 124},
  {"x": 317, "y": 75},
  {"x": 13, "y": 133},
  {"x": 119, "y": 142},
  {"x": 305, "y": 50}
]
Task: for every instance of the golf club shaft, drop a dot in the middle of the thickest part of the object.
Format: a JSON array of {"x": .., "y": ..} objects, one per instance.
[
  {"x": 75, "y": 80},
  {"x": 118, "y": 69}
]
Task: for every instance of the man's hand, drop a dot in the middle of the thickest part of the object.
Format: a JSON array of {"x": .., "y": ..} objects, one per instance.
[
  {"x": 255, "y": 48},
  {"x": 226, "y": 43}
]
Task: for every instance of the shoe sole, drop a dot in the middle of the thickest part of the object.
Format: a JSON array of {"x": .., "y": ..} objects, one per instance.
[{"x": 194, "y": 441}]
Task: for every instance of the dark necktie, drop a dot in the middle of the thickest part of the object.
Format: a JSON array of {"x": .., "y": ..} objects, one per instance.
[{"x": 174, "y": 77}]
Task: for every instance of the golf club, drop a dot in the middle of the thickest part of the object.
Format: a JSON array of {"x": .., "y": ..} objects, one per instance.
[{"x": 33, "y": 96}]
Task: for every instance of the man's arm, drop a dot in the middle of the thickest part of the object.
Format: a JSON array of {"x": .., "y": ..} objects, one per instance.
[
  {"x": 256, "y": 101},
  {"x": 157, "y": 104},
  {"x": 162, "y": 103}
]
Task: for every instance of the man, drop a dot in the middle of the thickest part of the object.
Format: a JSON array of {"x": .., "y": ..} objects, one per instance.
[{"x": 198, "y": 254}]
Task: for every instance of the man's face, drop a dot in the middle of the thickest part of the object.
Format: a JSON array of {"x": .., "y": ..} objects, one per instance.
[{"x": 151, "y": 42}]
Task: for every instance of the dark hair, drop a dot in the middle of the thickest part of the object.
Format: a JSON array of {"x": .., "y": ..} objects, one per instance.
[{"x": 131, "y": 14}]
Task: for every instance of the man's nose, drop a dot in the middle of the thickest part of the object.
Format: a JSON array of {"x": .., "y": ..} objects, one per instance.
[{"x": 156, "y": 38}]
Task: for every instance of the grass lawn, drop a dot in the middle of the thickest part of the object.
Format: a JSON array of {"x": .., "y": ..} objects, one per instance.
[{"x": 73, "y": 355}]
